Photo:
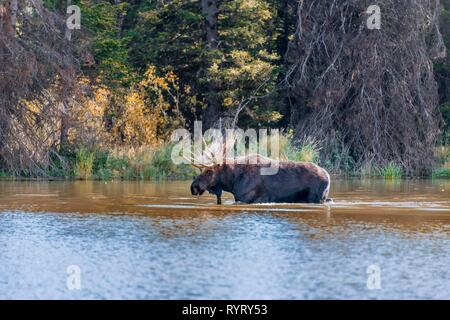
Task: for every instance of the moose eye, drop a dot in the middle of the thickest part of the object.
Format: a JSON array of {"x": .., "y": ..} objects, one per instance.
[{"x": 209, "y": 172}]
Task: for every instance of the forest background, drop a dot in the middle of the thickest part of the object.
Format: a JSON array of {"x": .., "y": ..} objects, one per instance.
[{"x": 101, "y": 102}]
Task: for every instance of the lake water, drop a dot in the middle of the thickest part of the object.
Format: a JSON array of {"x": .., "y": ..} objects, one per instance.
[{"x": 131, "y": 240}]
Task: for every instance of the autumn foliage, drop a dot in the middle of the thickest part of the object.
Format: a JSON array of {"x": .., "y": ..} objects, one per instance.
[{"x": 139, "y": 69}]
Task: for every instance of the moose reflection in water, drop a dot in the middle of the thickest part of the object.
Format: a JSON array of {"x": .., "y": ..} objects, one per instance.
[{"x": 294, "y": 182}]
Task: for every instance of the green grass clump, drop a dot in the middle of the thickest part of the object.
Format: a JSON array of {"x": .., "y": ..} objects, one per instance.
[
  {"x": 305, "y": 152},
  {"x": 84, "y": 164},
  {"x": 308, "y": 153},
  {"x": 442, "y": 173},
  {"x": 391, "y": 171}
]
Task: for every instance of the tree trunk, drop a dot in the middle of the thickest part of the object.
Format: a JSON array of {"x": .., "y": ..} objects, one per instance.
[
  {"x": 210, "y": 9},
  {"x": 10, "y": 17},
  {"x": 65, "y": 125},
  {"x": 64, "y": 112},
  {"x": 8, "y": 22},
  {"x": 120, "y": 19},
  {"x": 286, "y": 19}
]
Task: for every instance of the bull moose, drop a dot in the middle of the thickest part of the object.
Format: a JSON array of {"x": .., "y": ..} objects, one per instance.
[{"x": 295, "y": 182}]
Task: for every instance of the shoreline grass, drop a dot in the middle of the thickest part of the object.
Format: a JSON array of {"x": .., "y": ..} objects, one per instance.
[
  {"x": 441, "y": 173},
  {"x": 155, "y": 164}
]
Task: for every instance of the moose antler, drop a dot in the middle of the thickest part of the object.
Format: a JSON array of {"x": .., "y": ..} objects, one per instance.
[
  {"x": 199, "y": 161},
  {"x": 211, "y": 154},
  {"x": 197, "y": 164}
]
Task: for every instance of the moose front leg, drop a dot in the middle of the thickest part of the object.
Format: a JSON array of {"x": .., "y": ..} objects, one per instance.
[
  {"x": 217, "y": 190},
  {"x": 219, "y": 198},
  {"x": 218, "y": 193}
]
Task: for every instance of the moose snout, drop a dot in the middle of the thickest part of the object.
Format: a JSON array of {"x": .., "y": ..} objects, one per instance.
[{"x": 196, "y": 190}]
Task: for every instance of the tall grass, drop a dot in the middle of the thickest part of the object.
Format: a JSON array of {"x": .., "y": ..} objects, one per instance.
[
  {"x": 308, "y": 151},
  {"x": 155, "y": 163},
  {"x": 143, "y": 163},
  {"x": 442, "y": 171},
  {"x": 368, "y": 170},
  {"x": 84, "y": 163},
  {"x": 391, "y": 171},
  {"x": 342, "y": 163}
]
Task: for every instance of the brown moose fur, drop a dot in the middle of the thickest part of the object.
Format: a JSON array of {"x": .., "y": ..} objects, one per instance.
[{"x": 295, "y": 182}]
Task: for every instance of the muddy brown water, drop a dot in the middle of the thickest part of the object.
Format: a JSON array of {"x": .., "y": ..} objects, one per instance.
[{"x": 147, "y": 240}]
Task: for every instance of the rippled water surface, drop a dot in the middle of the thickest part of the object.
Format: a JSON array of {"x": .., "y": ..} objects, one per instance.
[{"x": 155, "y": 241}]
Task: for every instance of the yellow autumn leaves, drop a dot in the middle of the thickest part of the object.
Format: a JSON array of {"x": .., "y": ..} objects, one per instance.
[{"x": 135, "y": 117}]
